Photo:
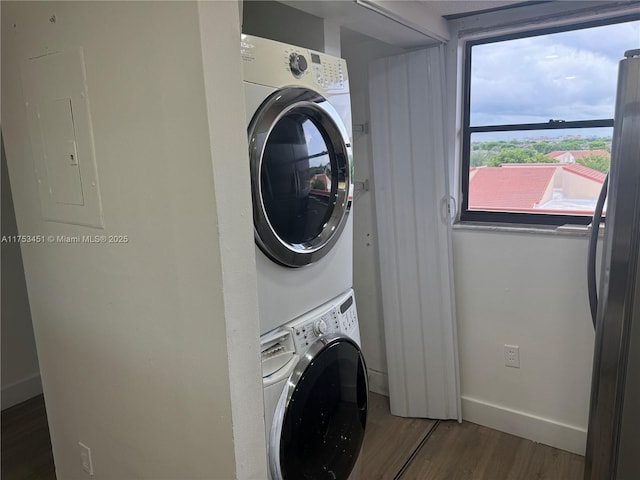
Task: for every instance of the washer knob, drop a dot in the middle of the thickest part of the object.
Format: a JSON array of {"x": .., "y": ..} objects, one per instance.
[
  {"x": 297, "y": 64},
  {"x": 320, "y": 327}
]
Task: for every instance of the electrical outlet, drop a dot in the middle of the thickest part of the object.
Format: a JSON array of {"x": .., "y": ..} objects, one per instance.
[
  {"x": 512, "y": 356},
  {"x": 85, "y": 457}
]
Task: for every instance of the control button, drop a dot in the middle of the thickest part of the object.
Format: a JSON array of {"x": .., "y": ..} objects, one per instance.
[
  {"x": 297, "y": 64},
  {"x": 320, "y": 327}
]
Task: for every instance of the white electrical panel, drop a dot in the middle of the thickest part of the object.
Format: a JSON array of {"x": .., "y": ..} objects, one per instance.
[
  {"x": 55, "y": 119},
  {"x": 59, "y": 120}
]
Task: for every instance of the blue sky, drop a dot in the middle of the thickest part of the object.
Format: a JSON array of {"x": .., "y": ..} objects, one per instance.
[{"x": 568, "y": 76}]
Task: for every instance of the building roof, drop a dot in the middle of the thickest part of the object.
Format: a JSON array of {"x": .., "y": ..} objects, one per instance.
[
  {"x": 586, "y": 172},
  {"x": 579, "y": 153},
  {"x": 575, "y": 168},
  {"x": 502, "y": 188},
  {"x": 522, "y": 186}
]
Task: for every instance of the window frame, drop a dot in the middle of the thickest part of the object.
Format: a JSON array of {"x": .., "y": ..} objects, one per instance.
[{"x": 488, "y": 216}]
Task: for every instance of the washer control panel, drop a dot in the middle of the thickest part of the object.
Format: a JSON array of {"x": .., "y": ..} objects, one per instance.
[
  {"x": 340, "y": 317},
  {"x": 349, "y": 318},
  {"x": 308, "y": 331}
]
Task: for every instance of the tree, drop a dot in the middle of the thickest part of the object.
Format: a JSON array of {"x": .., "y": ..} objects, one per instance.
[
  {"x": 479, "y": 158},
  {"x": 317, "y": 184},
  {"x": 595, "y": 162},
  {"x": 599, "y": 144},
  {"x": 542, "y": 147},
  {"x": 571, "y": 144},
  {"x": 517, "y": 155}
]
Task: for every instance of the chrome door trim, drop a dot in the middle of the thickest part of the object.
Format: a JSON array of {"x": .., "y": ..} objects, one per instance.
[
  {"x": 592, "y": 286},
  {"x": 617, "y": 281},
  {"x": 324, "y": 115},
  {"x": 285, "y": 398}
]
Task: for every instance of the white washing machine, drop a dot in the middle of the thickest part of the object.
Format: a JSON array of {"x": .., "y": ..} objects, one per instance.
[
  {"x": 299, "y": 129},
  {"x": 315, "y": 393}
]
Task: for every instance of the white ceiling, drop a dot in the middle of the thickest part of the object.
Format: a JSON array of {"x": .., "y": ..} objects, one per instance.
[
  {"x": 404, "y": 23},
  {"x": 454, "y": 7}
]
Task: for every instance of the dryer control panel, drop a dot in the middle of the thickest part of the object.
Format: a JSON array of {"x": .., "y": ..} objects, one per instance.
[
  {"x": 328, "y": 72},
  {"x": 278, "y": 65}
]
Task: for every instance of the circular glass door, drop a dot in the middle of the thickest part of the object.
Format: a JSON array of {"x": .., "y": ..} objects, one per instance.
[
  {"x": 300, "y": 176},
  {"x": 320, "y": 433}
]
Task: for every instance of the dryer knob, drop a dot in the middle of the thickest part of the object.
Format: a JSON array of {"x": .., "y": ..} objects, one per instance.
[
  {"x": 297, "y": 64},
  {"x": 320, "y": 327}
]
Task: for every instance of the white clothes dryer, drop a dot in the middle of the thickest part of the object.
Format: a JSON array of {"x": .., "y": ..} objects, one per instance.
[
  {"x": 299, "y": 131},
  {"x": 316, "y": 393}
]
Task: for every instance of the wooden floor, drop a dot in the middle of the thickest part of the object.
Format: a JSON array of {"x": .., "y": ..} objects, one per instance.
[
  {"x": 416, "y": 449},
  {"x": 26, "y": 446},
  {"x": 394, "y": 448}
]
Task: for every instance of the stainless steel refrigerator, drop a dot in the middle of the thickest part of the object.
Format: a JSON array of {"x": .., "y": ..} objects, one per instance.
[{"x": 613, "y": 439}]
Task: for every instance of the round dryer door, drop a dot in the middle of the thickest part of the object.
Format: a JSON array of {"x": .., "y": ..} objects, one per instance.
[
  {"x": 319, "y": 424},
  {"x": 301, "y": 178}
]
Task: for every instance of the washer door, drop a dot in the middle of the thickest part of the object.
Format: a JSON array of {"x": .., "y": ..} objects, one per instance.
[
  {"x": 319, "y": 424},
  {"x": 301, "y": 179}
]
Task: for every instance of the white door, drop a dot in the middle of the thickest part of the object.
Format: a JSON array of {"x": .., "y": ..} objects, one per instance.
[{"x": 414, "y": 229}]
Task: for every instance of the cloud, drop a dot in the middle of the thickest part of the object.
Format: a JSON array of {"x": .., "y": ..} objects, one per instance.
[
  {"x": 609, "y": 40},
  {"x": 568, "y": 76}
]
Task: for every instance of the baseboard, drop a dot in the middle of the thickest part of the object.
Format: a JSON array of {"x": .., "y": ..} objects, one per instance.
[
  {"x": 20, "y": 391},
  {"x": 538, "y": 429},
  {"x": 378, "y": 382}
]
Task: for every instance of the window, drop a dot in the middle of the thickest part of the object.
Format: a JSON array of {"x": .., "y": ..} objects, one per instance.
[{"x": 538, "y": 121}]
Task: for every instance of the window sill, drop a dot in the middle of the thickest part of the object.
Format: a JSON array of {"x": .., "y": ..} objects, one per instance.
[{"x": 579, "y": 231}]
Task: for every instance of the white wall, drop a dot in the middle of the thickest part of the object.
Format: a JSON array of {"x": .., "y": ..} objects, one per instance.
[
  {"x": 20, "y": 371},
  {"x": 527, "y": 290},
  {"x": 148, "y": 350},
  {"x": 359, "y": 50},
  {"x": 234, "y": 225}
]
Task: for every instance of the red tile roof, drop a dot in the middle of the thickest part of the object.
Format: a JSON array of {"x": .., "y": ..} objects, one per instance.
[
  {"x": 531, "y": 165},
  {"x": 497, "y": 188},
  {"x": 586, "y": 172},
  {"x": 576, "y": 168},
  {"x": 580, "y": 153}
]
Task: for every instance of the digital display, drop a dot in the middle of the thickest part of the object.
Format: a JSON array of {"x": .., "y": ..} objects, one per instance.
[
  {"x": 315, "y": 58},
  {"x": 345, "y": 306}
]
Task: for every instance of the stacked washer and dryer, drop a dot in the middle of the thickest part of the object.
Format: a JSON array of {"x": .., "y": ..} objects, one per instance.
[{"x": 314, "y": 374}]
